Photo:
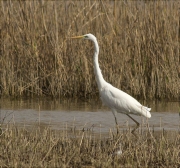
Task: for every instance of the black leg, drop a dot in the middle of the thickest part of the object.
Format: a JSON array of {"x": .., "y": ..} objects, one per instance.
[
  {"x": 114, "y": 113},
  {"x": 137, "y": 124}
]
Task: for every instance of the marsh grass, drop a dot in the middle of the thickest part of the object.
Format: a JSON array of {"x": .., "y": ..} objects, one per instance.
[
  {"x": 139, "y": 47},
  {"x": 44, "y": 147}
]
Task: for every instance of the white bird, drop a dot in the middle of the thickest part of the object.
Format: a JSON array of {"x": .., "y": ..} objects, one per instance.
[
  {"x": 117, "y": 100},
  {"x": 117, "y": 151}
]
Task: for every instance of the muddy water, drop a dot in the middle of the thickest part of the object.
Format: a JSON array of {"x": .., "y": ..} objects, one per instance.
[{"x": 67, "y": 114}]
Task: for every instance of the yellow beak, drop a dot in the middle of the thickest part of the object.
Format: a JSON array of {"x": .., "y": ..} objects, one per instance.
[{"x": 77, "y": 37}]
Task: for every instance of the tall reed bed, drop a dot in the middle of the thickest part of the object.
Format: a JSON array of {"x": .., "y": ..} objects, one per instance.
[
  {"x": 139, "y": 47},
  {"x": 21, "y": 147}
]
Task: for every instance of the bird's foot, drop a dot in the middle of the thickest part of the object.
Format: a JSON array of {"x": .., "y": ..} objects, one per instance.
[{"x": 133, "y": 131}]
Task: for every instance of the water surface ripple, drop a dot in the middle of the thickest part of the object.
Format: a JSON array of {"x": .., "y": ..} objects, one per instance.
[{"x": 91, "y": 115}]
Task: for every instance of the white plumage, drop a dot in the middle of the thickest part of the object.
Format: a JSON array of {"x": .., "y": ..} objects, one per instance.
[
  {"x": 120, "y": 101},
  {"x": 115, "y": 99}
]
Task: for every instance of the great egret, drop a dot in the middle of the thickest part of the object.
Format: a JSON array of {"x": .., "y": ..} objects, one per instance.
[{"x": 115, "y": 99}]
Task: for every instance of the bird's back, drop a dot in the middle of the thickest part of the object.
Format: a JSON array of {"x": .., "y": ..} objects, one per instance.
[{"x": 122, "y": 102}]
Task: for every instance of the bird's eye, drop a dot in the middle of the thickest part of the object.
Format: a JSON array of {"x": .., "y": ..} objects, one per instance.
[{"x": 85, "y": 36}]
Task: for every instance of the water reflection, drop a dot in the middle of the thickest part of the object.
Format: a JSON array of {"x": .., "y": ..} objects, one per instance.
[{"x": 60, "y": 114}]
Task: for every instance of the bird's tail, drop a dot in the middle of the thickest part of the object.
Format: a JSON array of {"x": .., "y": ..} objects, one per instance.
[{"x": 146, "y": 111}]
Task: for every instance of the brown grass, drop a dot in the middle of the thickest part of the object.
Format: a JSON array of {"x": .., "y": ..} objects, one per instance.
[
  {"x": 139, "y": 48},
  {"x": 37, "y": 147}
]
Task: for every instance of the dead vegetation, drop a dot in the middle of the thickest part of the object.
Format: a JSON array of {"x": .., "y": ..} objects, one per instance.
[
  {"x": 139, "y": 48},
  {"x": 43, "y": 147}
]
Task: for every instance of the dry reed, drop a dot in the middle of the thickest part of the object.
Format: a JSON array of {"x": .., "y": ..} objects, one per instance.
[
  {"x": 139, "y": 47},
  {"x": 21, "y": 147}
]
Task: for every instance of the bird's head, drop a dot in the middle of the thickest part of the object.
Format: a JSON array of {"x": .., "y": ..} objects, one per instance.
[{"x": 86, "y": 36}]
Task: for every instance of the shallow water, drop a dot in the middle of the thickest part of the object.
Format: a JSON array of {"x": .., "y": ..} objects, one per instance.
[{"x": 91, "y": 115}]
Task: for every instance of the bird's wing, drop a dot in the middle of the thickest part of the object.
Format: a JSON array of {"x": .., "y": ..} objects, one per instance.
[{"x": 121, "y": 101}]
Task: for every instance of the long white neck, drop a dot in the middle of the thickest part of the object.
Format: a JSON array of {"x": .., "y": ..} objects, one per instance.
[{"x": 99, "y": 78}]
